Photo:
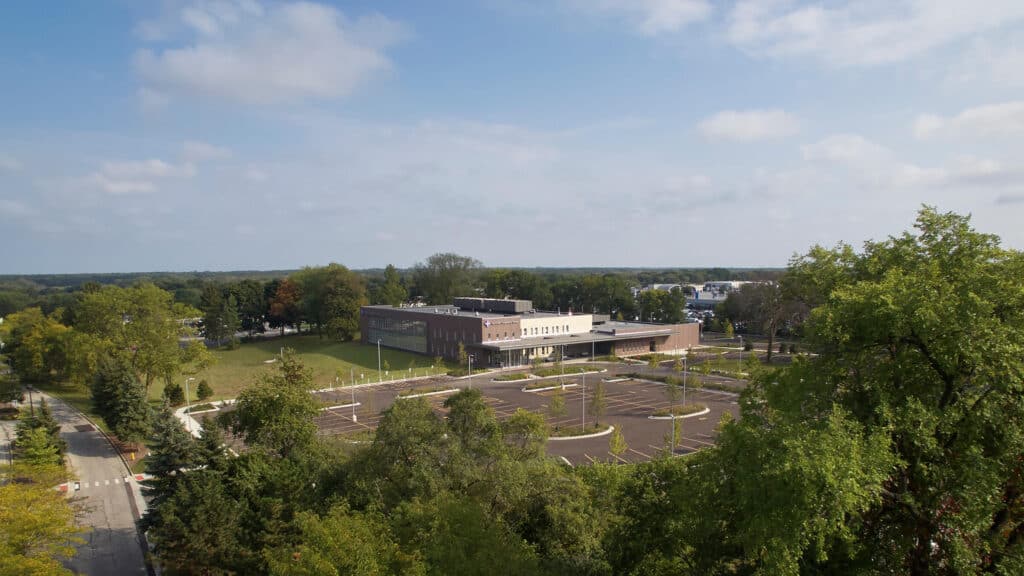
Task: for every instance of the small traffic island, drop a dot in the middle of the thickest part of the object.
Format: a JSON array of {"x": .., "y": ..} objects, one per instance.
[
  {"x": 423, "y": 391},
  {"x": 578, "y": 432},
  {"x": 682, "y": 411}
]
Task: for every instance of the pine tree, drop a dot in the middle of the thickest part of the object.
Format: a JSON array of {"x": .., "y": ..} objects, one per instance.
[
  {"x": 173, "y": 394},
  {"x": 172, "y": 450},
  {"x": 133, "y": 412},
  {"x": 35, "y": 448},
  {"x": 204, "y": 390}
]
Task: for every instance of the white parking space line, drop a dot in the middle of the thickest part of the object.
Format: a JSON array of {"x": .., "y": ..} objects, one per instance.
[{"x": 97, "y": 484}]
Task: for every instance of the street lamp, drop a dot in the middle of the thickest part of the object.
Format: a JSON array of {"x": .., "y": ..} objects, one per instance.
[
  {"x": 188, "y": 406},
  {"x": 470, "y": 358},
  {"x": 380, "y": 375},
  {"x": 352, "y": 388}
]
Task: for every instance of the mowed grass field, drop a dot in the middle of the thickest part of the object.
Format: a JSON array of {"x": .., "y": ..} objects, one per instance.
[{"x": 237, "y": 368}]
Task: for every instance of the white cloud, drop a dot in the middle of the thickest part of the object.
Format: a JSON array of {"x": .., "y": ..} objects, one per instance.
[
  {"x": 862, "y": 33},
  {"x": 9, "y": 163},
  {"x": 195, "y": 151},
  {"x": 651, "y": 17},
  {"x": 989, "y": 120},
  {"x": 120, "y": 187},
  {"x": 254, "y": 174},
  {"x": 997, "y": 62},
  {"x": 284, "y": 53},
  {"x": 152, "y": 168},
  {"x": 15, "y": 208},
  {"x": 749, "y": 125},
  {"x": 847, "y": 148},
  {"x": 120, "y": 178}
]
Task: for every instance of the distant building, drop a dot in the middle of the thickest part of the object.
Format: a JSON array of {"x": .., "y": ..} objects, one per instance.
[{"x": 511, "y": 332}]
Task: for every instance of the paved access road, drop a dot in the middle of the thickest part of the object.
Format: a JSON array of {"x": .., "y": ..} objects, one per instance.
[{"x": 113, "y": 504}]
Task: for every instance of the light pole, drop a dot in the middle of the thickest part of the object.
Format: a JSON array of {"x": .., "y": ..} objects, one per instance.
[
  {"x": 685, "y": 358},
  {"x": 188, "y": 406},
  {"x": 380, "y": 375},
  {"x": 352, "y": 388},
  {"x": 584, "y": 410},
  {"x": 561, "y": 364},
  {"x": 470, "y": 358}
]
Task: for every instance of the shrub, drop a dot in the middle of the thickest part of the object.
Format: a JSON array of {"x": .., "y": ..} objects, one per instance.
[
  {"x": 204, "y": 390},
  {"x": 748, "y": 346},
  {"x": 174, "y": 395},
  {"x": 782, "y": 348},
  {"x": 792, "y": 348}
]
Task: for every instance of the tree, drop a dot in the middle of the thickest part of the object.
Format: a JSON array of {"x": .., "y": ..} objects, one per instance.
[
  {"x": 472, "y": 423},
  {"x": 197, "y": 528},
  {"x": 901, "y": 437},
  {"x": 173, "y": 394},
  {"x": 445, "y": 276},
  {"x": 37, "y": 528},
  {"x": 251, "y": 304},
  {"x": 525, "y": 434},
  {"x": 284, "y": 305},
  {"x": 730, "y": 332},
  {"x": 617, "y": 444},
  {"x": 220, "y": 314},
  {"x": 35, "y": 447},
  {"x": 343, "y": 542},
  {"x": 120, "y": 399},
  {"x": 35, "y": 344},
  {"x": 331, "y": 298},
  {"x": 276, "y": 412},
  {"x": 556, "y": 406},
  {"x": 653, "y": 361},
  {"x": 10, "y": 390},
  {"x": 764, "y": 307},
  {"x": 463, "y": 355},
  {"x": 391, "y": 291},
  {"x": 204, "y": 391},
  {"x": 172, "y": 452},
  {"x": 141, "y": 323}
]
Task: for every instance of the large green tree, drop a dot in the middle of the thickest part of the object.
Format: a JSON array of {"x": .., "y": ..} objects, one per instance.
[
  {"x": 142, "y": 324},
  {"x": 331, "y": 298},
  {"x": 276, "y": 412},
  {"x": 446, "y": 276},
  {"x": 896, "y": 447},
  {"x": 391, "y": 291}
]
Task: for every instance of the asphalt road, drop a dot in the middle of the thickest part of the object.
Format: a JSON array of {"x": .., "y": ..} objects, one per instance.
[{"x": 112, "y": 546}]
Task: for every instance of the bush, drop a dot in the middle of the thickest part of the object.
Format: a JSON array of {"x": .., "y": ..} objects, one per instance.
[
  {"x": 748, "y": 346},
  {"x": 792, "y": 348},
  {"x": 782, "y": 348},
  {"x": 204, "y": 390},
  {"x": 174, "y": 395}
]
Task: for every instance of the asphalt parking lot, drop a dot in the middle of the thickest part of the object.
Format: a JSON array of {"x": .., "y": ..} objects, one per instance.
[{"x": 628, "y": 407}]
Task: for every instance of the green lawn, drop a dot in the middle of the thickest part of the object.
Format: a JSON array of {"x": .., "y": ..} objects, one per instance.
[{"x": 237, "y": 368}]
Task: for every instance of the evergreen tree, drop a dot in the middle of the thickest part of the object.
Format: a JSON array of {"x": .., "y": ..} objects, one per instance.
[
  {"x": 35, "y": 448},
  {"x": 173, "y": 394},
  {"x": 172, "y": 450},
  {"x": 132, "y": 412},
  {"x": 204, "y": 391}
]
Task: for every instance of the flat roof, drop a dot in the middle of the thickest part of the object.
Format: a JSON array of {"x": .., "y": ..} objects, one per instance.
[
  {"x": 446, "y": 309},
  {"x": 585, "y": 338}
]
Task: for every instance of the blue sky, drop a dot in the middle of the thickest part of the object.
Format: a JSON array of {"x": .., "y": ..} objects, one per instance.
[{"x": 247, "y": 134}]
